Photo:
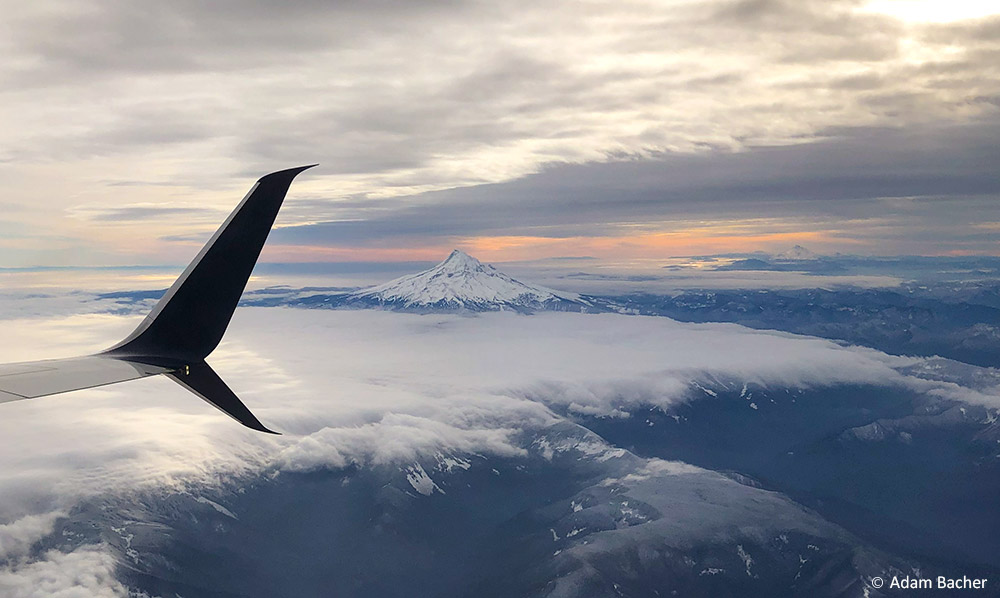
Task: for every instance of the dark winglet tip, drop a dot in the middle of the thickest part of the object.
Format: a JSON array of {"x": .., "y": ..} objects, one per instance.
[
  {"x": 288, "y": 173},
  {"x": 249, "y": 420}
]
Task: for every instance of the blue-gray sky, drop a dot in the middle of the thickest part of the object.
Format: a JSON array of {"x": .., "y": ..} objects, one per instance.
[{"x": 515, "y": 130}]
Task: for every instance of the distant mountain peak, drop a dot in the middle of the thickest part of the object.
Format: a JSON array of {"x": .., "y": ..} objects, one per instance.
[
  {"x": 461, "y": 282},
  {"x": 797, "y": 252},
  {"x": 458, "y": 261}
]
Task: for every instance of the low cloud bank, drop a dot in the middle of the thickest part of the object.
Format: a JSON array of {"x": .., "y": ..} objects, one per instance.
[
  {"x": 373, "y": 387},
  {"x": 369, "y": 388}
]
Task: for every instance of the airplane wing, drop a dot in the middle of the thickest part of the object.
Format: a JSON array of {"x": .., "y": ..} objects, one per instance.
[
  {"x": 41, "y": 378},
  {"x": 184, "y": 327}
]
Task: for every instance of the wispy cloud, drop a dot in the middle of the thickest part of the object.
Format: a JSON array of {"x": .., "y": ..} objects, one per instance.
[{"x": 143, "y": 212}]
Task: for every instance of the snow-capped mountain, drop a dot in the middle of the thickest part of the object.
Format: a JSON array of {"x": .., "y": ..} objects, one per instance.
[
  {"x": 462, "y": 282},
  {"x": 797, "y": 252}
]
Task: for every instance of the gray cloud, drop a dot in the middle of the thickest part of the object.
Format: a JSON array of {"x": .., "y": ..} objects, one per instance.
[
  {"x": 17, "y": 537},
  {"x": 142, "y": 213},
  {"x": 88, "y": 571},
  {"x": 114, "y": 38},
  {"x": 925, "y": 185}
]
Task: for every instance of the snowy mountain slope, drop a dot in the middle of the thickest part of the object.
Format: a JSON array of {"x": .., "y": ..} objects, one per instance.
[
  {"x": 461, "y": 282},
  {"x": 572, "y": 517}
]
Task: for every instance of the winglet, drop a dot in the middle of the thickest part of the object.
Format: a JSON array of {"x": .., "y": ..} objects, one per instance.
[
  {"x": 202, "y": 380},
  {"x": 189, "y": 321}
]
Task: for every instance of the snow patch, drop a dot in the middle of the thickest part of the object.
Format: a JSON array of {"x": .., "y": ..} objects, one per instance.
[
  {"x": 449, "y": 463},
  {"x": 420, "y": 481},
  {"x": 747, "y": 560},
  {"x": 217, "y": 507}
]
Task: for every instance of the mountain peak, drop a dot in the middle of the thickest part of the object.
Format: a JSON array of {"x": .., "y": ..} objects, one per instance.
[
  {"x": 463, "y": 282},
  {"x": 796, "y": 253},
  {"x": 459, "y": 260}
]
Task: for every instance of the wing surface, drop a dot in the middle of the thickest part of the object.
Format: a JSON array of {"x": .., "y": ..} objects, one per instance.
[{"x": 33, "y": 379}]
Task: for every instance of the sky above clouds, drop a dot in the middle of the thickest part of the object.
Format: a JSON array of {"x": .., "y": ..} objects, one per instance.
[{"x": 517, "y": 130}]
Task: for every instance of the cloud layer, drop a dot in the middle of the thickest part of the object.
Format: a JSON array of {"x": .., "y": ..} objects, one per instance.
[
  {"x": 378, "y": 387},
  {"x": 362, "y": 388}
]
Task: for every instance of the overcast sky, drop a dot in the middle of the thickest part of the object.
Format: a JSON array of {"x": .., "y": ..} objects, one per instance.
[{"x": 514, "y": 130}]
